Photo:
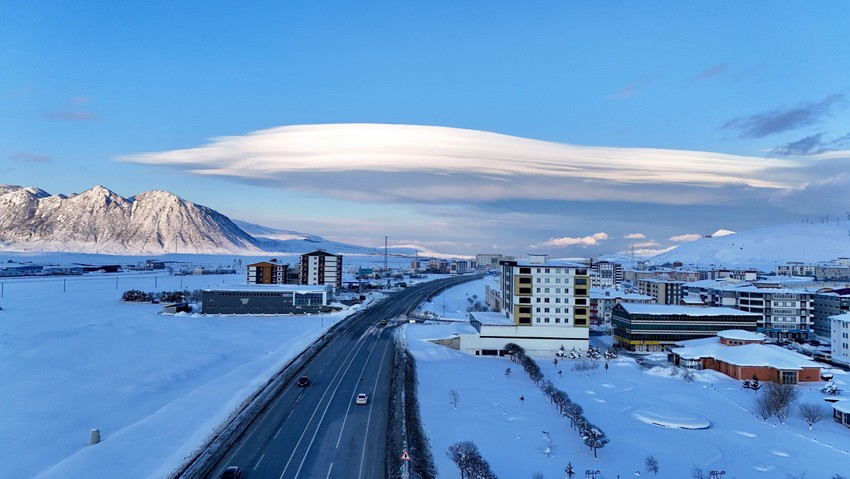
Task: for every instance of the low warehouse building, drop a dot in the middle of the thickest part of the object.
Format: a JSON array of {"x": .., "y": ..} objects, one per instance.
[{"x": 266, "y": 299}]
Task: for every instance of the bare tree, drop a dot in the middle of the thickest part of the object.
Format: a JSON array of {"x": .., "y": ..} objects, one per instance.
[
  {"x": 455, "y": 398},
  {"x": 651, "y": 464},
  {"x": 698, "y": 473},
  {"x": 811, "y": 413},
  {"x": 462, "y": 454},
  {"x": 783, "y": 397},
  {"x": 763, "y": 407}
]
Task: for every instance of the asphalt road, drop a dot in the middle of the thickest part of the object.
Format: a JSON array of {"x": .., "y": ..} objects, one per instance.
[{"x": 318, "y": 431}]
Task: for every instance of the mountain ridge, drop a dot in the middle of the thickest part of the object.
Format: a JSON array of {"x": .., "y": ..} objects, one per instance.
[{"x": 99, "y": 220}]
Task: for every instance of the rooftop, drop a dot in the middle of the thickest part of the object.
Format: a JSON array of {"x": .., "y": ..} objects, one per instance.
[{"x": 659, "y": 309}]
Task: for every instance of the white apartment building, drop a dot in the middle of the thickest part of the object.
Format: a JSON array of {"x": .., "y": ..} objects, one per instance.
[
  {"x": 539, "y": 293},
  {"x": 840, "y": 338}
]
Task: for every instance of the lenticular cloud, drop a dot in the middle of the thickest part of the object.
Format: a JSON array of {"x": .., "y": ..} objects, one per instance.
[{"x": 446, "y": 164}]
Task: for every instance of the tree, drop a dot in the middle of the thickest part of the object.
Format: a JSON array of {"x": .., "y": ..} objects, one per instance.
[
  {"x": 574, "y": 412},
  {"x": 755, "y": 385},
  {"x": 746, "y": 384},
  {"x": 811, "y": 413},
  {"x": 462, "y": 454},
  {"x": 783, "y": 397},
  {"x": 455, "y": 398},
  {"x": 651, "y": 464},
  {"x": 593, "y": 437},
  {"x": 764, "y": 407}
]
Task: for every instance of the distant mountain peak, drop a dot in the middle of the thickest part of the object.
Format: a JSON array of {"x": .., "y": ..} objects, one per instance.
[{"x": 99, "y": 220}]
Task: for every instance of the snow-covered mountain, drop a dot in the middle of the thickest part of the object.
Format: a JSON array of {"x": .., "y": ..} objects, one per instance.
[
  {"x": 155, "y": 222},
  {"x": 766, "y": 247}
]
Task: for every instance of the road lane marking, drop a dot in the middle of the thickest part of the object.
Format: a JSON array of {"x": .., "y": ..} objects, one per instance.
[
  {"x": 369, "y": 417},
  {"x": 258, "y": 462}
]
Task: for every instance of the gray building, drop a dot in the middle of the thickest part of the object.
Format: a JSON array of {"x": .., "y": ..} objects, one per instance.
[{"x": 266, "y": 299}]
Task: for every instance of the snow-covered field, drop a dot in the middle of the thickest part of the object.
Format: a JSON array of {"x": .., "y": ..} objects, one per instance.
[
  {"x": 643, "y": 411},
  {"x": 73, "y": 358}
]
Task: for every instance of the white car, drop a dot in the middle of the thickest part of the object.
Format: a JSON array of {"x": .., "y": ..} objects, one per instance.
[{"x": 361, "y": 399}]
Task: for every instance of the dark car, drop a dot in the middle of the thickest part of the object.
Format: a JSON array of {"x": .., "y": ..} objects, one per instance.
[
  {"x": 231, "y": 472},
  {"x": 303, "y": 381}
]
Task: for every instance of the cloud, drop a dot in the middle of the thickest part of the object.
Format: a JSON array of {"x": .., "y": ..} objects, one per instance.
[
  {"x": 635, "y": 236},
  {"x": 422, "y": 164},
  {"x": 591, "y": 240},
  {"x": 630, "y": 90},
  {"x": 712, "y": 72},
  {"x": 645, "y": 245},
  {"x": 780, "y": 120},
  {"x": 686, "y": 238},
  {"x": 74, "y": 111},
  {"x": 812, "y": 145},
  {"x": 27, "y": 157}
]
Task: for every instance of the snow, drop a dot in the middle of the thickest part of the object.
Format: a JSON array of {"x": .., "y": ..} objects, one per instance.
[
  {"x": 73, "y": 358},
  {"x": 707, "y": 423},
  {"x": 766, "y": 247}
]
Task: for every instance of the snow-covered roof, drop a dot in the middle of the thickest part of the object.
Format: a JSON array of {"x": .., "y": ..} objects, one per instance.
[
  {"x": 657, "y": 309},
  {"x": 745, "y": 355},
  {"x": 841, "y": 317},
  {"x": 489, "y": 318},
  {"x": 612, "y": 293},
  {"x": 283, "y": 288},
  {"x": 741, "y": 335},
  {"x": 842, "y": 406}
]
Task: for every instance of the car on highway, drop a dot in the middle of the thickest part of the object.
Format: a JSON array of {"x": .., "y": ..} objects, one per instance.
[
  {"x": 361, "y": 399},
  {"x": 303, "y": 381},
  {"x": 231, "y": 472},
  {"x": 383, "y": 322}
]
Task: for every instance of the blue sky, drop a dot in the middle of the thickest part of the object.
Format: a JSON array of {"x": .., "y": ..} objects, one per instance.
[{"x": 106, "y": 92}]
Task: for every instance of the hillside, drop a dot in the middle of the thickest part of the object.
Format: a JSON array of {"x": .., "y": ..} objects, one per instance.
[{"x": 766, "y": 247}]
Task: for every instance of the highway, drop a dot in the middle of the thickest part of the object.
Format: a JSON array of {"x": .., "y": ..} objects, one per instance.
[{"x": 318, "y": 431}]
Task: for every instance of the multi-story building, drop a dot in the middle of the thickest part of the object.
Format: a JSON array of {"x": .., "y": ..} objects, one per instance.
[
  {"x": 607, "y": 273},
  {"x": 840, "y": 338},
  {"x": 320, "y": 267},
  {"x": 838, "y": 269},
  {"x": 602, "y": 301},
  {"x": 785, "y": 313},
  {"x": 488, "y": 261},
  {"x": 828, "y": 303},
  {"x": 656, "y": 327},
  {"x": 665, "y": 291},
  {"x": 268, "y": 272},
  {"x": 539, "y": 293}
]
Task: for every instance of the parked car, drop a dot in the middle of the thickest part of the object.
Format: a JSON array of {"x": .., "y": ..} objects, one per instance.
[
  {"x": 361, "y": 399},
  {"x": 303, "y": 381},
  {"x": 231, "y": 472}
]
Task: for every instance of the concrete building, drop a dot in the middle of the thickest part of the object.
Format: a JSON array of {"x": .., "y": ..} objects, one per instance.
[
  {"x": 665, "y": 291},
  {"x": 840, "y": 338},
  {"x": 266, "y": 299},
  {"x": 827, "y": 303},
  {"x": 785, "y": 313},
  {"x": 495, "y": 331},
  {"x": 488, "y": 261},
  {"x": 606, "y": 273},
  {"x": 742, "y": 355},
  {"x": 656, "y": 327},
  {"x": 540, "y": 294},
  {"x": 603, "y": 300},
  {"x": 320, "y": 267},
  {"x": 268, "y": 272}
]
